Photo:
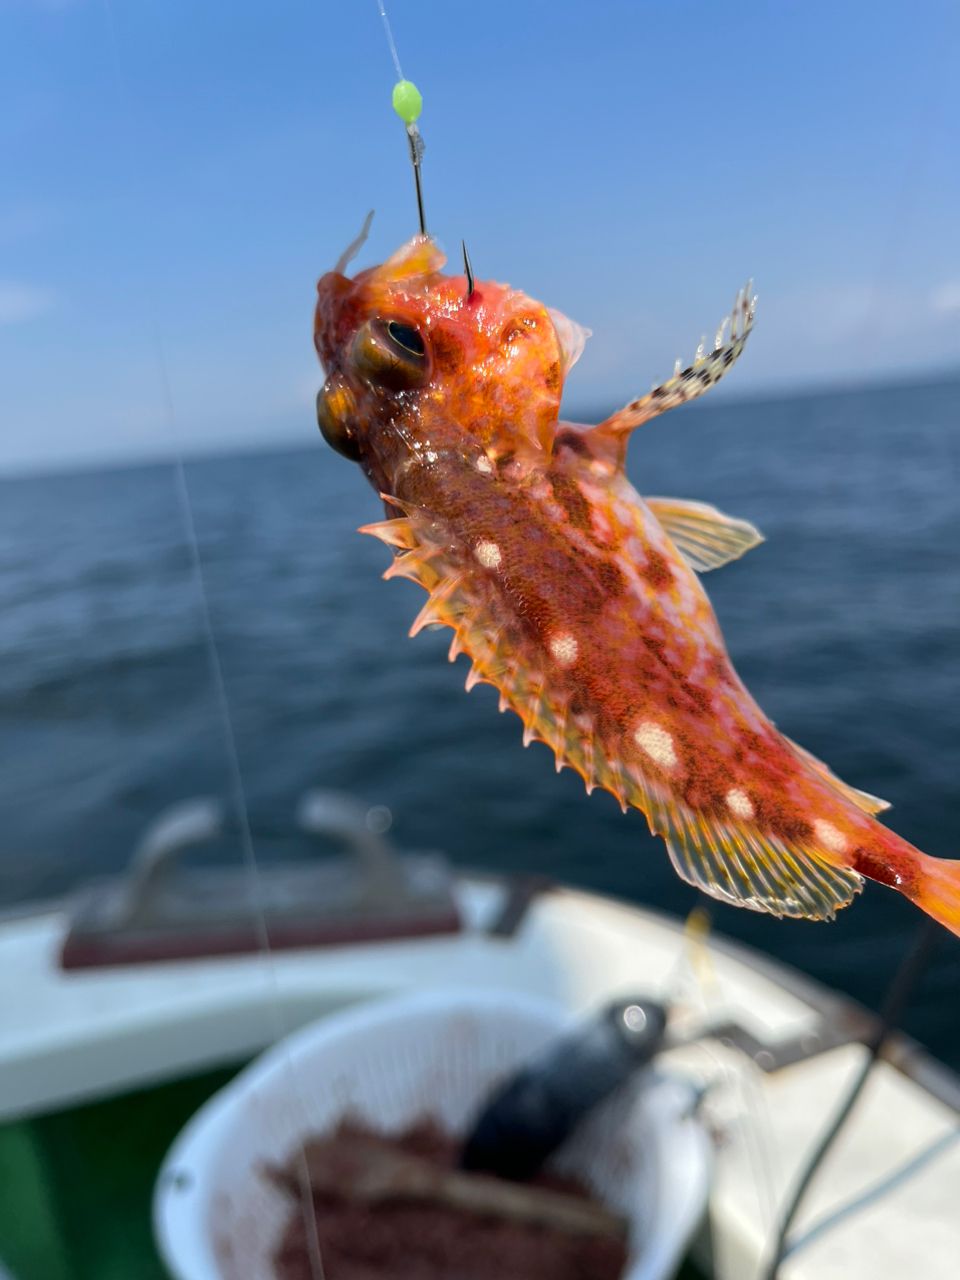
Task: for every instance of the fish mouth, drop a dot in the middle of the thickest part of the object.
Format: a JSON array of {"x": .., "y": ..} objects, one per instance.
[{"x": 337, "y": 417}]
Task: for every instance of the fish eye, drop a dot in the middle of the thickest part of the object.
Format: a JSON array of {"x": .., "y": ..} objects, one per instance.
[
  {"x": 391, "y": 354},
  {"x": 405, "y": 336}
]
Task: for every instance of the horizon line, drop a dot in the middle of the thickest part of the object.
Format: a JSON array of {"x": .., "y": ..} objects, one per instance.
[{"x": 287, "y": 444}]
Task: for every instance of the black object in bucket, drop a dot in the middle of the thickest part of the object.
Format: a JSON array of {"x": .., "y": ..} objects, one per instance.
[{"x": 535, "y": 1111}]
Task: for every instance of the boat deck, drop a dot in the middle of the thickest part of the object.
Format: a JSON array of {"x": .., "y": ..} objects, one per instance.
[{"x": 780, "y": 1059}]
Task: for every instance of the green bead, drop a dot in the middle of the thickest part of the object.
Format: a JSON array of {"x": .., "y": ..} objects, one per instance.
[{"x": 407, "y": 102}]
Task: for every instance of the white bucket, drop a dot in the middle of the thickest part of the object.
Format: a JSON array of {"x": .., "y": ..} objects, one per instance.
[{"x": 390, "y": 1062}]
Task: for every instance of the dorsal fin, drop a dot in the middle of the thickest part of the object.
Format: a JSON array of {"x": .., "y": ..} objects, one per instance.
[
  {"x": 742, "y": 866},
  {"x": 398, "y": 532},
  {"x": 862, "y": 799},
  {"x": 736, "y": 863},
  {"x": 704, "y": 536}
]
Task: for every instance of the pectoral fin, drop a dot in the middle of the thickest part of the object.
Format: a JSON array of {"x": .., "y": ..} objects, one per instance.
[
  {"x": 704, "y": 536},
  {"x": 686, "y": 384},
  {"x": 571, "y": 336}
]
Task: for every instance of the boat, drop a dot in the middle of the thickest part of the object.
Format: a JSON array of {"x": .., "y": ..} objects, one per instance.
[{"x": 128, "y": 1008}]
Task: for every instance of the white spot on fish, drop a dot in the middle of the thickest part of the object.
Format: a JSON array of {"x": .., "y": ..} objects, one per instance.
[
  {"x": 430, "y": 455},
  {"x": 828, "y": 835},
  {"x": 624, "y": 514},
  {"x": 656, "y": 742},
  {"x": 564, "y": 648},
  {"x": 739, "y": 803},
  {"x": 484, "y": 464},
  {"x": 488, "y": 553},
  {"x": 601, "y": 525}
]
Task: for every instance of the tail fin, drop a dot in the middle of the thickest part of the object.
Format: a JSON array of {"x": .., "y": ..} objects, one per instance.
[{"x": 937, "y": 891}]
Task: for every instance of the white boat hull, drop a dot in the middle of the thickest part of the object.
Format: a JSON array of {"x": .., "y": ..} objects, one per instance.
[{"x": 70, "y": 1037}]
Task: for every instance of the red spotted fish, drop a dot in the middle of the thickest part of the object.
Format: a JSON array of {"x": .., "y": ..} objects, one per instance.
[{"x": 577, "y": 598}]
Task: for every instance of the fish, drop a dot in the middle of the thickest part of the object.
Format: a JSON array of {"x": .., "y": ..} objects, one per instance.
[{"x": 576, "y": 598}]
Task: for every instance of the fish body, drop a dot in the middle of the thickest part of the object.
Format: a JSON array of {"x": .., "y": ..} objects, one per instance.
[{"x": 578, "y": 599}]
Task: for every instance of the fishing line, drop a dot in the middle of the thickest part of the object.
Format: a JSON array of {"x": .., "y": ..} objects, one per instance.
[
  {"x": 876, "y": 1191},
  {"x": 278, "y": 1029},
  {"x": 908, "y": 974},
  {"x": 390, "y": 40},
  {"x": 407, "y": 103},
  {"x": 917, "y": 957},
  {"x": 740, "y": 1081}
]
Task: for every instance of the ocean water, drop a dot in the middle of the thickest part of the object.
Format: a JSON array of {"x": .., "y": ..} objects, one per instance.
[{"x": 845, "y": 624}]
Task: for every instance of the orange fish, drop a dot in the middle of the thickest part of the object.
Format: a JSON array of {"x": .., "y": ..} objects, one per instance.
[{"x": 578, "y": 599}]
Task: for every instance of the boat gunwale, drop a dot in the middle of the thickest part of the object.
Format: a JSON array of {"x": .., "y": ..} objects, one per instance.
[{"x": 846, "y": 1018}]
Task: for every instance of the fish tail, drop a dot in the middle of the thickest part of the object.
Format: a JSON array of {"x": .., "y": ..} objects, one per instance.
[{"x": 936, "y": 890}]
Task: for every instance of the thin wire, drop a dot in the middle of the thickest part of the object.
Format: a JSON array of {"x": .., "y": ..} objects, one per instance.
[
  {"x": 274, "y": 1011},
  {"x": 876, "y": 1191},
  {"x": 280, "y": 1028},
  {"x": 688, "y": 979},
  {"x": 416, "y": 156},
  {"x": 413, "y": 133},
  {"x": 390, "y": 40},
  {"x": 905, "y": 979}
]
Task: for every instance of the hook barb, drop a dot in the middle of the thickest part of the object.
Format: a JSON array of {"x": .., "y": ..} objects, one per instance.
[{"x": 468, "y": 270}]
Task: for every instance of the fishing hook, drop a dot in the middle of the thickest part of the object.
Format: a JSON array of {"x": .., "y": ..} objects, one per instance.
[{"x": 416, "y": 155}]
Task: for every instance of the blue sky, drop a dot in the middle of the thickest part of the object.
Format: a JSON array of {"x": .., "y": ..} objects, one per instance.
[{"x": 179, "y": 172}]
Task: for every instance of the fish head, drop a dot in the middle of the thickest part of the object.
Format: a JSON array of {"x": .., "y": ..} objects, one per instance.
[{"x": 410, "y": 350}]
